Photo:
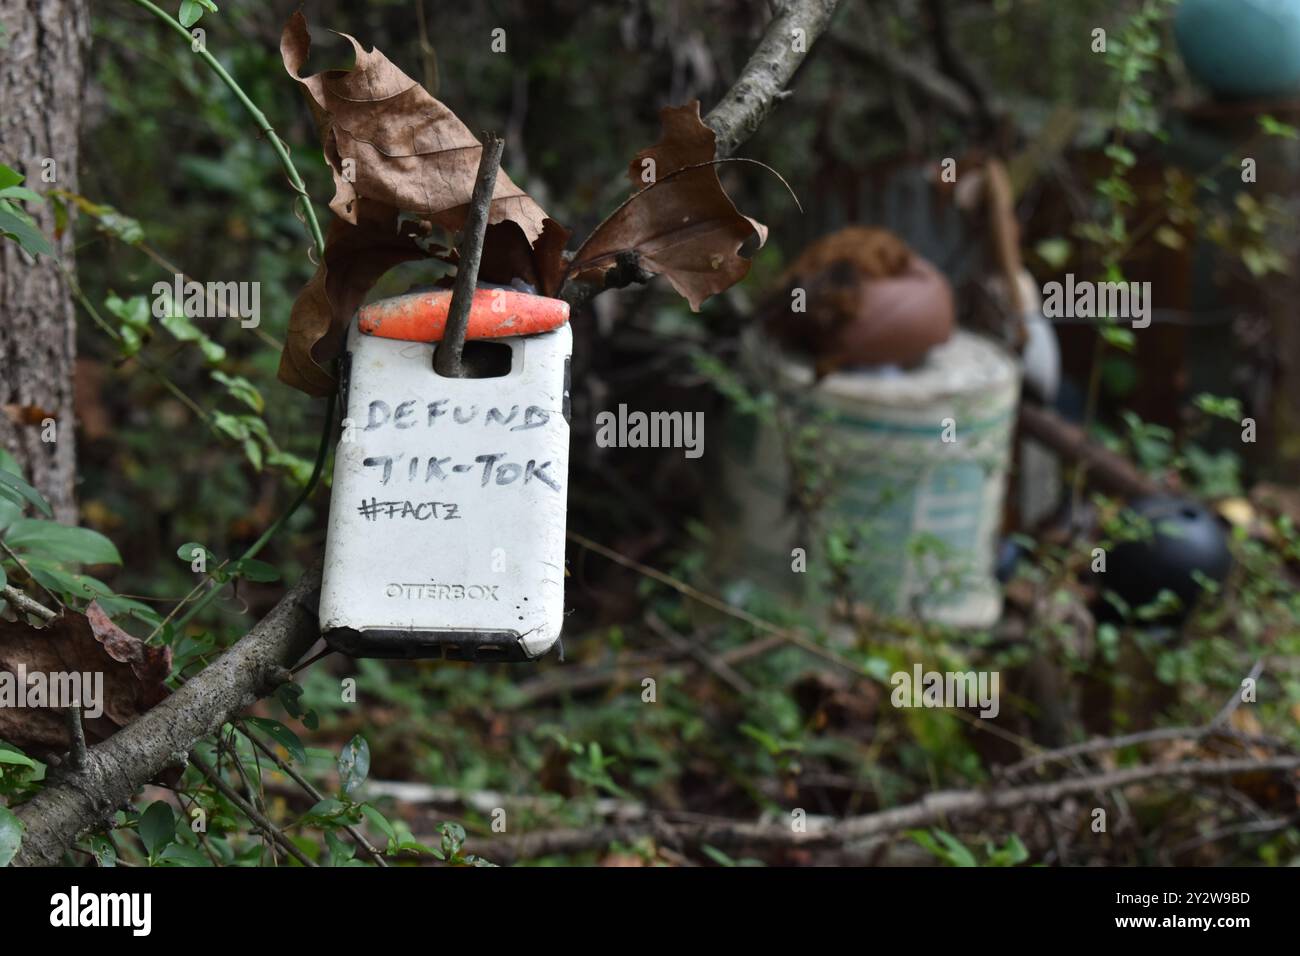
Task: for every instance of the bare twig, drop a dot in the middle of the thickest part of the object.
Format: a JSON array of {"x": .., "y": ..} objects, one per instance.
[
  {"x": 77, "y": 751},
  {"x": 761, "y": 83},
  {"x": 287, "y": 769},
  {"x": 21, "y": 601},
  {"x": 9, "y": 553},
  {"x": 1235, "y": 701},
  {"x": 920, "y": 78},
  {"x": 1159, "y": 735},
  {"x": 716, "y": 665},
  {"x": 255, "y": 816},
  {"x": 1108, "y": 470},
  {"x": 933, "y": 808},
  {"x": 1240, "y": 829},
  {"x": 576, "y": 680},
  {"x": 447, "y": 358},
  {"x": 708, "y": 600},
  {"x": 953, "y": 64},
  {"x": 428, "y": 54}
]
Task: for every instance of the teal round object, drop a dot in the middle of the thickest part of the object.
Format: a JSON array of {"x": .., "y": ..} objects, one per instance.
[{"x": 1242, "y": 48}]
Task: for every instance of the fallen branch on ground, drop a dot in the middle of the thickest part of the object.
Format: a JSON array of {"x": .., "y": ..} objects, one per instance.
[{"x": 940, "y": 807}]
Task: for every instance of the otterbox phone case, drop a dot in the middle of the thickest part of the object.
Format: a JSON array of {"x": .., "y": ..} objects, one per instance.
[{"x": 446, "y": 526}]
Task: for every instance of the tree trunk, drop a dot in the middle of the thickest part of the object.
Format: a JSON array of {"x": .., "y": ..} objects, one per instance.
[{"x": 41, "y": 74}]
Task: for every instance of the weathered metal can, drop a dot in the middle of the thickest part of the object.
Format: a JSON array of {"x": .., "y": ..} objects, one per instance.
[{"x": 447, "y": 523}]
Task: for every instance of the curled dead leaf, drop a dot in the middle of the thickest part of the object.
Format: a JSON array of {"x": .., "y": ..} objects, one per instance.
[
  {"x": 388, "y": 140},
  {"x": 689, "y": 230},
  {"x": 132, "y": 673},
  {"x": 403, "y": 167},
  {"x": 29, "y": 415}
]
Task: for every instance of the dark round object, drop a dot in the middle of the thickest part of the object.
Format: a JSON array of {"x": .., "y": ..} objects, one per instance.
[
  {"x": 1187, "y": 538},
  {"x": 1010, "y": 553}
]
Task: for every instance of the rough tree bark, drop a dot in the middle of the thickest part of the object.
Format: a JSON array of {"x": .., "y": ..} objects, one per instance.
[
  {"x": 41, "y": 73},
  {"x": 785, "y": 43}
]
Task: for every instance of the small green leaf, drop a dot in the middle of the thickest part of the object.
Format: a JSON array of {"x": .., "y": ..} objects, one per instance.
[
  {"x": 11, "y": 835},
  {"x": 54, "y": 577},
  {"x": 1121, "y": 154},
  {"x": 192, "y": 10},
  {"x": 133, "y": 312},
  {"x": 157, "y": 827},
  {"x": 290, "y": 697},
  {"x": 18, "y": 226},
  {"x": 354, "y": 764},
  {"x": 1055, "y": 252},
  {"x": 191, "y": 550},
  {"x": 325, "y": 813},
  {"x": 21, "y": 193},
  {"x": 340, "y": 850},
  {"x": 241, "y": 389},
  {"x": 1274, "y": 127},
  {"x": 282, "y": 735},
  {"x": 183, "y": 330},
  {"x": 18, "y": 491},
  {"x": 253, "y": 452},
  {"x": 232, "y": 425},
  {"x": 299, "y": 469},
  {"x": 178, "y": 854},
  {"x": 1116, "y": 337},
  {"x": 60, "y": 542},
  {"x": 131, "y": 342},
  {"x": 379, "y": 821},
  {"x": 9, "y": 177},
  {"x": 213, "y": 352},
  {"x": 102, "y": 849},
  {"x": 958, "y": 853},
  {"x": 15, "y": 758},
  {"x": 118, "y": 226},
  {"x": 717, "y": 856}
]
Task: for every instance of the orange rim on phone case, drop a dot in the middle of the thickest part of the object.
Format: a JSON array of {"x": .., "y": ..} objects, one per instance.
[{"x": 422, "y": 316}]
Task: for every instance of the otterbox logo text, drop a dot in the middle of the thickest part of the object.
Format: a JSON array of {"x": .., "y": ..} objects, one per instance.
[{"x": 444, "y": 592}]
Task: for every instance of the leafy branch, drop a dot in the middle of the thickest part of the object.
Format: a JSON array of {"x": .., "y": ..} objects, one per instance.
[{"x": 258, "y": 117}]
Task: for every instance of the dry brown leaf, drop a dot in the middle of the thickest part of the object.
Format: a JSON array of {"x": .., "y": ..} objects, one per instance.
[
  {"x": 355, "y": 257},
  {"x": 403, "y": 163},
  {"x": 683, "y": 225},
  {"x": 407, "y": 150},
  {"x": 26, "y": 414},
  {"x": 84, "y": 643}
]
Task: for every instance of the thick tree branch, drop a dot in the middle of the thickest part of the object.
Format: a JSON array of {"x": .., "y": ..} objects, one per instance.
[
  {"x": 117, "y": 768},
  {"x": 761, "y": 83}
]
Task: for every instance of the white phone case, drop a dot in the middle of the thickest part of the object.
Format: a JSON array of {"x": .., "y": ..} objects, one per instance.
[{"x": 446, "y": 526}]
